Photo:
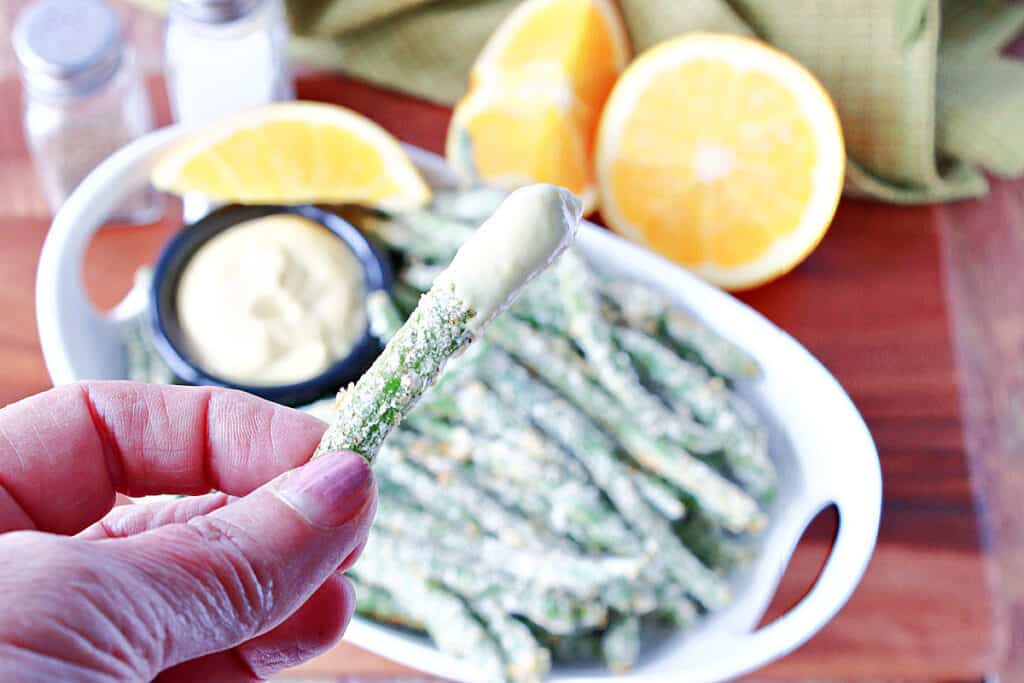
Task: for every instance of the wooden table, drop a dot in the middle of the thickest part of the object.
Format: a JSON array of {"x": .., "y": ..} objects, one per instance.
[{"x": 910, "y": 308}]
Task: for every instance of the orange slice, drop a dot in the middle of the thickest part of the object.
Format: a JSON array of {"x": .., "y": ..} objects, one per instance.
[
  {"x": 536, "y": 93},
  {"x": 294, "y": 153},
  {"x": 722, "y": 154}
]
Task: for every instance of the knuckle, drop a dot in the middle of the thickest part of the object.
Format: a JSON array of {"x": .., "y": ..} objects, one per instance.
[{"x": 247, "y": 586}]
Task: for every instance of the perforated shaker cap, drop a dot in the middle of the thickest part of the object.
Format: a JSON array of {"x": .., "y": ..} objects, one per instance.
[
  {"x": 214, "y": 11},
  {"x": 67, "y": 47}
]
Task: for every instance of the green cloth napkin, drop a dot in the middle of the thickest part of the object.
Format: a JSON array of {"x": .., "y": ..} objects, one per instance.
[{"x": 925, "y": 98}]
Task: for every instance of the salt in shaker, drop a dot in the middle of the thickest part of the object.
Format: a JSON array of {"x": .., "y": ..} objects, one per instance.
[{"x": 224, "y": 56}]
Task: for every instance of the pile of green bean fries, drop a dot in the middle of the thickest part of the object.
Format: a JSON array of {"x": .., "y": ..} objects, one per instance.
[{"x": 582, "y": 473}]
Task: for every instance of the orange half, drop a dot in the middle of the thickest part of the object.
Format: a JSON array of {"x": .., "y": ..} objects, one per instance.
[
  {"x": 722, "y": 154},
  {"x": 536, "y": 94}
]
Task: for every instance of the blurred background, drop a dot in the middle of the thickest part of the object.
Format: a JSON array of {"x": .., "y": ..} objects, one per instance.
[{"x": 911, "y": 298}]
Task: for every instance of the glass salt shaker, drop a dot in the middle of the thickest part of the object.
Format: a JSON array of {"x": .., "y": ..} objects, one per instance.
[
  {"x": 224, "y": 56},
  {"x": 84, "y": 97}
]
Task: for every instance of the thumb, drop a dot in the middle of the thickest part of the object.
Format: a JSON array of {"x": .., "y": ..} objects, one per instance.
[{"x": 225, "y": 577}]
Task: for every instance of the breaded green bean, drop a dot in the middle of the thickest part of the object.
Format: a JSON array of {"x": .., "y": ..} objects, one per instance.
[
  {"x": 550, "y": 358},
  {"x": 531, "y": 228}
]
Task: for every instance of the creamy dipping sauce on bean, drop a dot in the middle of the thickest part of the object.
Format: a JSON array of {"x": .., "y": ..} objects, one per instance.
[{"x": 270, "y": 301}]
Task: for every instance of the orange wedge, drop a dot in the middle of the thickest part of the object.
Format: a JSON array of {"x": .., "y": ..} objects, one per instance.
[
  {"x": 294, "y": 153},
  {"x": 722, "y": 154},
  {"x": 536, "y": 94}
]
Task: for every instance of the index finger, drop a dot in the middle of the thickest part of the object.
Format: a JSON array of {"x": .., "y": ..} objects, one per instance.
[{"x": 64, "y": 453}]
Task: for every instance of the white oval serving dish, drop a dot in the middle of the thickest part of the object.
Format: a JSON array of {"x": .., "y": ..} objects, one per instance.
[{"x": 819, "y": 442}]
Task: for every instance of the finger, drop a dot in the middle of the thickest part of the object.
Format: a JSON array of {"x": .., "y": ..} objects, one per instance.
[
  {"x": 349, "y": 561},
  {"x": 222, "y": 667},
  {"x": 239, "y": 571},
  {"x": 312, "y": 630},
  {"x": 135, "y": 518},
  {"x": 12, "y": 515},
  {"x": 82, "y": 442},
  {"x": 129, "y": 520}
]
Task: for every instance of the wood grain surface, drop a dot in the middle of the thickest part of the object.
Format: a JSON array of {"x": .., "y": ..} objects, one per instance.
[{"x": 870, "y": 303}]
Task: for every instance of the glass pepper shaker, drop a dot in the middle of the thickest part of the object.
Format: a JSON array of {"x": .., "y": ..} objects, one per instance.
[
  {"x": 224, "y": 56},
  {"x": 84, "y": 97}
]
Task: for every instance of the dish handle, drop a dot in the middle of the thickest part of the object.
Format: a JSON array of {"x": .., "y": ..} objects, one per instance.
[
  {"x": 858, "y": 503},
  {"x": 63, "y": 309}
]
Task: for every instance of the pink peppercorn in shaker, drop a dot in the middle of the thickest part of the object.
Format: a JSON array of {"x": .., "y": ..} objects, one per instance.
[{"x": 84, "y": 97}]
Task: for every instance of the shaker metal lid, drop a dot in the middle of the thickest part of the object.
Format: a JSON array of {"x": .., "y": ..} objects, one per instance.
[
  {"x": 214, "y": 11},
  {"x": 67, "y": 47}
]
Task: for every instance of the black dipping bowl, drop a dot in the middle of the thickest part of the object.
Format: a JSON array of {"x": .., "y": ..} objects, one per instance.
[{"x": 168, "y": 336}]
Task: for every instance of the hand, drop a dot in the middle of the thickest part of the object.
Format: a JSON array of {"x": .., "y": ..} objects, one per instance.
[{"x": 205, "y": 588}]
